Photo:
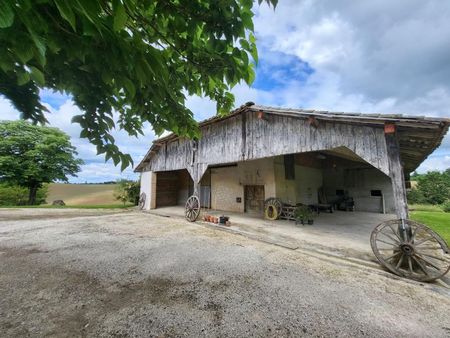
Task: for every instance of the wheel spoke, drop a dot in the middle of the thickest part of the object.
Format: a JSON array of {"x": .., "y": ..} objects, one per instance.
[
  {"x": 421, "y": 266},
  {"x": 390, "y": 237},
  {"x": 400, "y": 261},
  {"x": 396, "y": 234},
  {"x": 393, "y": 244},
  {"x": 423, "y": 240},
  {"x": 392, "y": 256},
  {"x": 417, "y": 256},
  {"x": 410, "y": 265},
  {"x": 435, "y": 247},
  {"x": 414, "y": 233},
  {"x": 435, "y": 257}
]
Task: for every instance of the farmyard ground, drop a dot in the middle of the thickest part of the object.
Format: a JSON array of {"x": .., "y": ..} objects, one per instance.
[{"x": 121, "y": 273}]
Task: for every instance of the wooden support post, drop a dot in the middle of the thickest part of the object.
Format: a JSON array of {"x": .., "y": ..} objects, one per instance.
[
  {"x": 396, "y": 172},
  {"x": 197, "y": 171}
]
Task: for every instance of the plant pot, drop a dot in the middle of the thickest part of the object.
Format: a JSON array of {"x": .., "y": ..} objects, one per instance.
[{"x": 310, "y": 221}]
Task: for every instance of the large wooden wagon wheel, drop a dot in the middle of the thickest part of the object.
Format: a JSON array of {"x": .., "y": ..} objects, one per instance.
[
  {"x": 142, "y": 198},
  {"x": 417, "y": 253},
  {"x": 192, "y": 209},
  {"x": 272, "y": 208}
]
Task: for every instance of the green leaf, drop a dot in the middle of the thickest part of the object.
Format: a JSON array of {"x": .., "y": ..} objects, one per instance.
[
  {"x": 78, "y": 119},
  {"x": 25, "y": 52},
  {"x": 120, "y": 15},
  {"x": 251, "y": 75},
  {"x": 23, "y": 78},
  {"x": 40, "y": 45},
  {"x": 129, "y": 86},
  {"x": 37, "y": 76},
  {"x": 124, "y": 164},
  {"x": 6, "y": 14},
  {"x": 66, "y": 12},
  {"x": 84, "y": 133}
]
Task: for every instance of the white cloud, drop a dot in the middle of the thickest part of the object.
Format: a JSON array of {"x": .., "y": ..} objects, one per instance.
[
  {"x": 378, "y": 56},
  {"x": 370, "y": 56}
]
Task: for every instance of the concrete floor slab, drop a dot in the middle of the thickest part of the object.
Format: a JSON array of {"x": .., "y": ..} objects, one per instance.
[{"x": 344, "y": 232}]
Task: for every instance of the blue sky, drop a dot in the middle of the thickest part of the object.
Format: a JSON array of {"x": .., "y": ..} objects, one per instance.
[{"x": 339, "y": 55}]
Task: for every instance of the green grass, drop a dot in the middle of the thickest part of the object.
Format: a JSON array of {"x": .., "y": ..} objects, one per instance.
[
  {"x": 439, "y": 221},
  {"x": 424, "y": 207},
  {"x": 46, "y": 206}
]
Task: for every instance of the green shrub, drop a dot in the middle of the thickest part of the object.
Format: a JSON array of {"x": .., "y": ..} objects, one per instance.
[
  {"x": 415, "y": 196},
  {"x": 435, "y": 186},
  {"x": 446, "y": 206},
  {"x": 13, "y": 195},
  {"x": 127, "y": 191}
]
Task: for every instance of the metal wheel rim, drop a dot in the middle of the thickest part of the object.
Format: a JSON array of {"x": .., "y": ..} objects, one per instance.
[
  {"x": 423, "y": 257},
  {"x": 142, "y": 200},
  {"x": 192, "y": 209}
]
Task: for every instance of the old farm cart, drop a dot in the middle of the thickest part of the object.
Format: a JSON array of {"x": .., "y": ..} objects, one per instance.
[{"x": 392, "y": 145}]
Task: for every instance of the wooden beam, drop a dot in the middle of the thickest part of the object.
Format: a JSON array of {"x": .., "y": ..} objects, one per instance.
[{"x": 397, "y": 176}]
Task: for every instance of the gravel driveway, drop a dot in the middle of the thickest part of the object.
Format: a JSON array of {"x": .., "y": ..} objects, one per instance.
[{"x": 103, "y": 274}]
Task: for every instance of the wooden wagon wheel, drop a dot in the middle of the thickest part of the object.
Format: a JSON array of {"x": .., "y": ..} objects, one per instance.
[
  {"x": 423, "y": 256},
  {"x": 272, "y": 208},
  {"x": 142, "y": 198},
  {"x": 192, "y": 209}
]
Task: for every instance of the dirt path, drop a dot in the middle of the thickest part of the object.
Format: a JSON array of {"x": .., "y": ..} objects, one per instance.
[{"x": 133, "y": 274}]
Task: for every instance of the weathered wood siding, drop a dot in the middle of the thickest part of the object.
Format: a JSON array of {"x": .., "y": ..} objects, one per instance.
[{"x": 245, "y": 137}]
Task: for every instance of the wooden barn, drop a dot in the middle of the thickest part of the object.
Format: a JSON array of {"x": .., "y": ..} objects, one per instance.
[{"x": 299, "y": 156}]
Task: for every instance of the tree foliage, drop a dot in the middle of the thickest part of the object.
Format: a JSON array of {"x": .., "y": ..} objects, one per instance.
[
  {"x": 127, "y": 191},
  {"x": 139, "y": 58},
  {"x": 432, "y": 188},
  {"x": 13, "y": 195},
  {"x": 31, "y": 155}
]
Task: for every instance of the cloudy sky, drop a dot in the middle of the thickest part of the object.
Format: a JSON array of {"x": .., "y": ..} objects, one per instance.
[{"x": 361, "y": 56}]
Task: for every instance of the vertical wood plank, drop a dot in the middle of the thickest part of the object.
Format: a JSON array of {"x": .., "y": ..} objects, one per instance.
[{"x": 396, "y": 175}]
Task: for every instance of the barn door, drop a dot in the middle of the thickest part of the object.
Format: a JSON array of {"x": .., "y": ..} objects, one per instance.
[{"x": 254, "y": 198}]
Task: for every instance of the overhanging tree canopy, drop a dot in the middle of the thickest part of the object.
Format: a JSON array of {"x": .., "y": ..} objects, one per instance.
[
  {"x": 137, "y": 57},
  {"x": 31, "y": 155}
]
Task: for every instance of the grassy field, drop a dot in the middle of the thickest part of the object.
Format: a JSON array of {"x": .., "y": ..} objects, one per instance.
[
  {"x": 434, "y": 217},
  {"x": 83, "y": 194}
]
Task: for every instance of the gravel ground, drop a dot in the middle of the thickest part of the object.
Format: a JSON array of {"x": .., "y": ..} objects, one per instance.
[{"x": 134, "y": 274}]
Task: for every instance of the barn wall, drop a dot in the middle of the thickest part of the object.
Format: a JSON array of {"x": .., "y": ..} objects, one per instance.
[
  {"x": 308, "y": 180},
  {"x": 184, "y": 187},
  {"x": 359, "y": 183},
  {"x": 166, "y": 189},
  {"x": 225, "y": 141},
  {"x": 228, "y": 183},
  {"x": 148, "y": 186},
  {"x": 225, "y": 188}
]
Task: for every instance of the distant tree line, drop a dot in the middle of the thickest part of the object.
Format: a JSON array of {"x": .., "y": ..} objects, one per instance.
[{"x": 431, "y": 188}]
